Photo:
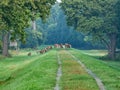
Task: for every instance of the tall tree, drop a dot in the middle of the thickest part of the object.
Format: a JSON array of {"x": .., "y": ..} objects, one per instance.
[
  {"x": 33, "y": 38},
  {"x": 16, "y": 15},
  {"x": 99, "y": 18},
  {"x": 55, "y": 30},
  {"x": 12, "y": 20}
]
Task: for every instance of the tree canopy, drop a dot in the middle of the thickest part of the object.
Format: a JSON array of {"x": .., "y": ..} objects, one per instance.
[
  {"x": 15, "y": 15},
  {"x": 98, "y": 18}
]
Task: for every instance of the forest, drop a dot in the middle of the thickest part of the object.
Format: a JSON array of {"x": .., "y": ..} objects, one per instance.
[
  {"x": 55, "y": 30},
  {"x": 59, "y": 44},
  {"x": 83, "y": 24}
]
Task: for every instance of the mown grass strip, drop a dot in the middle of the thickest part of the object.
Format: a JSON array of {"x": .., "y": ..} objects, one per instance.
[
  {"x": 11, "y": 65},
  {"x": 109, "y": 75},
  {"x": 95, "y": 52},
  {"x": 98, "y": 81},
  {"x": 74, "y": 77},
  {"x": 38, "y": 75}
]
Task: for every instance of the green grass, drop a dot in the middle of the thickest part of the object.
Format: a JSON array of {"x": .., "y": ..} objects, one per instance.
[
  {"x": 101, "y": 54},
  {"x": 113, "y": 64},
  {"x": 109, "y": 75},
  {"x": 95, "y": 52},
  {"x": 37, "y": 72},
  {"x": 74, "y": 76},
  {"x": 1, "y": 57}
]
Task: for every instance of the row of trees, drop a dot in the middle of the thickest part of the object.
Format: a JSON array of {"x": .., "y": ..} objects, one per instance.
[
  {"x": 55, "y": 30},
  {"x": 16, "y": 15},
  {"x": 97, "y": 18}
]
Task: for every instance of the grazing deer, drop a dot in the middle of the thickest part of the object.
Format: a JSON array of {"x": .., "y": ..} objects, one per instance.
[
  {"x": 41, "y": 51},
  {"x": 61, "y": 46},
  {"x": 67, "y": 45},
  {"x": 29, "y": 54},
  {"x": 56, "y": 45}
]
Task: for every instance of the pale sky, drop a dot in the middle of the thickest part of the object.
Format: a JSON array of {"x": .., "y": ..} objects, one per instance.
[{"x": 59, "y": 1}]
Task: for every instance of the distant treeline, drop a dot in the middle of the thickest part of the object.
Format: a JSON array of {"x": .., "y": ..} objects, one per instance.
[{"x": 55, "y": 30}]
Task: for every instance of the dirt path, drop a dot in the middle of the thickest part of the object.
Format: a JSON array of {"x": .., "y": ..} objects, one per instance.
[
  {"x": 98, "y": 81},
  {"x": 59, "y": 74}
]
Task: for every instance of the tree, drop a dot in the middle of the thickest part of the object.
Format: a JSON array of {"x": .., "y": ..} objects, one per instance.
[
  {"x": 33, "y": 38},
  {"x": 12, "y": 20},
  {"x": 16, "y": 15},
  {"x": 55, "y": 30},
  {"x": 98, "y": 18}
]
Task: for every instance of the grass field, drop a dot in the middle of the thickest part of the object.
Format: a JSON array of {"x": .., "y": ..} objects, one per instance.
[
  {"x": 95, "y": 52},
  {"x": 108, "y": 72},
  {"x": 38, "y": 72},
  {"x": 74, "y": 76}
]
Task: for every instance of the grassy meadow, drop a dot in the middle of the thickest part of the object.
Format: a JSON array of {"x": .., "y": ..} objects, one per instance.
[
  {"x": 22, "y": 72},
  {"x": 108, "y": 71},
  {"x": 38, "y": 71},
  {"x": 74, "y": 76}
]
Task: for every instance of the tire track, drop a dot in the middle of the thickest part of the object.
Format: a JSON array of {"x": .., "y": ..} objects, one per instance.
[
  {"x": 59, "y": 73},
  {"x": 98, "y": 80}
]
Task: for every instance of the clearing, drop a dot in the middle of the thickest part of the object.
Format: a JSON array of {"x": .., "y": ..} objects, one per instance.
[{"x": 58, "y": 68}]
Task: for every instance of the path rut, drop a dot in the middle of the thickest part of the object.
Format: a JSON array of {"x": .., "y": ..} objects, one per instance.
[
  {"x": 98, "y": 80},
  {"x": 59, "y": 74}
]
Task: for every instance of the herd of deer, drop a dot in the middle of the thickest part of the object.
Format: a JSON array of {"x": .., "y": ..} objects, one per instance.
[
  {"x": 66, "y": 45},
  {"x": 62, "y": 46}
]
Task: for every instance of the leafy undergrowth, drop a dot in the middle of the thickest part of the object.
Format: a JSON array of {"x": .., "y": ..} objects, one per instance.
[
  {"x": 74, "y": 76},
  {"x": 109, "y": 74},
  {"x": 37, "y": 72}
]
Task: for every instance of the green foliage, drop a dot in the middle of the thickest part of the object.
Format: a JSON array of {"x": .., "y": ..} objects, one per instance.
[
  {"x": 16, "y": 15},
  {"x": 98, "y": 18},
  {"x": 118, "y": 41},
  {"x": 55, "y": 30},
  {"x": 0, "y": 46},
  {"x": 33, "y": 39},
  {"x": 39, "y": 8}
]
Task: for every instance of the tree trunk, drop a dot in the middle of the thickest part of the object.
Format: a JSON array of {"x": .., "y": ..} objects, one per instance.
[
  {"x": 33, "y": 25},
  {"x": 5, "y": 44},
  {"x": 112, "y": 46}
]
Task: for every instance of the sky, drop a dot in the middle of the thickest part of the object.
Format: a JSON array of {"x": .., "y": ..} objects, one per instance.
[{"x": 59, "y": 1}]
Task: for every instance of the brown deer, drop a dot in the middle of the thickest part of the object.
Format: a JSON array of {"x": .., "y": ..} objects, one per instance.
[
  {"x": 67, "y": 45},
  {"x": 29, "y": 54}
]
